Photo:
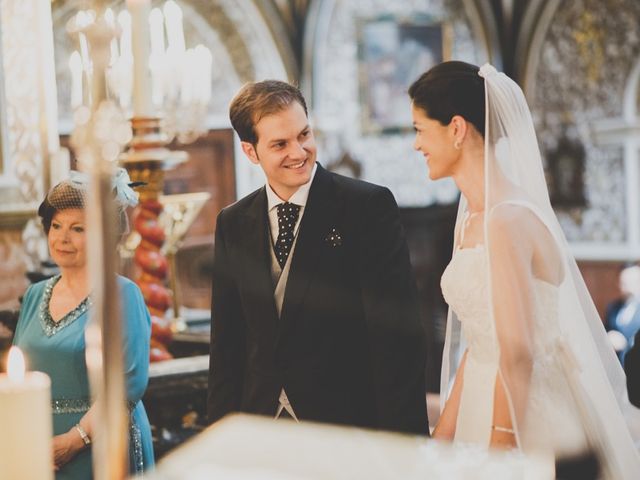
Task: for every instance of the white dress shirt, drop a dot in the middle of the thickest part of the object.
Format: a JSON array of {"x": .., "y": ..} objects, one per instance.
[{"x": 298, "y": 198}]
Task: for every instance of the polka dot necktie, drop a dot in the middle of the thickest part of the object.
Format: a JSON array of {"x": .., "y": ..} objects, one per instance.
[{"x": 287, "y": 217}]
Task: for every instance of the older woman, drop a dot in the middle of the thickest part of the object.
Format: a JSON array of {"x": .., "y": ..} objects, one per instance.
[{"x": 51, "y": 329}]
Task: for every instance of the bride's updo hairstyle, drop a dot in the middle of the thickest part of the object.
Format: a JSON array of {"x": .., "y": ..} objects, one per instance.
[{"x": 449, "y": 89}]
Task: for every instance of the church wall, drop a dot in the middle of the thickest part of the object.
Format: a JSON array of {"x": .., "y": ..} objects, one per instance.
[
  {"x": 29, "y": 139},
  {"x": 579, "y": 79},
  {"x": 577, "y": 68}
]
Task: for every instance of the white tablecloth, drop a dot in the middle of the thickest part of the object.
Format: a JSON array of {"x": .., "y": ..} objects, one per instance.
[{"x": 244, "y": 447}]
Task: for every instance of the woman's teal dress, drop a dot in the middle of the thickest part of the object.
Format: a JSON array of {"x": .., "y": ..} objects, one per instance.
[{"x": 58, "y": 349}]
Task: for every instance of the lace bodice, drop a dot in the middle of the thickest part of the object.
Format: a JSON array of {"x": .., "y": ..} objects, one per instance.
[{"x": 465, "y": 288}]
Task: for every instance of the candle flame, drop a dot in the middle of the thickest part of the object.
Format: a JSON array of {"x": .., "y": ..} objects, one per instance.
[{"x": 15, "y": 364}]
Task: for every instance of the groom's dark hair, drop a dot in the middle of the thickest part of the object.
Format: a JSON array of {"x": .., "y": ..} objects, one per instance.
[
  {"x": 449, "y": 89},
  {"x": 256, "y": 100}
]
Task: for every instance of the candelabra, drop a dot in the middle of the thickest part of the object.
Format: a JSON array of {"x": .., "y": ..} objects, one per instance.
[
  {"x": 180, "y": 77},
  {"x": 167, "y": 90},
  {"x": 98, "y": 139}
]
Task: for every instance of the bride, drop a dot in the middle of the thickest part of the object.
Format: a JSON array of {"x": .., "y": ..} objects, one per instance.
[{"x": 534, "y": 369}]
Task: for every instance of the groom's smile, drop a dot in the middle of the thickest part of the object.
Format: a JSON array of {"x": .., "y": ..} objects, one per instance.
[{"x": 286, "y": 149}]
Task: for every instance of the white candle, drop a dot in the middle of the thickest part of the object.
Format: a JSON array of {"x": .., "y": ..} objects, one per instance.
[
  {"x": 75, "y": 65},
  {"x": 122, "y": 71},
  {"x": 140, "y": 41},
  {"x": 84, "y": 53},
  {"x": 25, "y": 416},
  {"x": 205, "y": 62},
  {"x": 156, "y": 23},
  {"x": 111, "y": 21},
  {"x": 124, "y": 19},
  {"x": 60, "y": 165},
  {"x": 189, "y": 76},
  {"x": 175, "y": 31},
  {"x": 157, "y": 59}
]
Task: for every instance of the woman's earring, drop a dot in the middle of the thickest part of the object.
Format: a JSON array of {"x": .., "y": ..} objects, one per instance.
[{"x": 457, "y": 145}]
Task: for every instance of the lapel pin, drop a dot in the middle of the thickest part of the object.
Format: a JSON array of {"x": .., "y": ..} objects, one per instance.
[{"x": 334, "y": 238}]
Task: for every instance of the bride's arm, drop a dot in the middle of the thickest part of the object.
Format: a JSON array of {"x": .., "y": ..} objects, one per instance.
[
  {"x": 446, "y": 427},
  {"x": 511, "y": 239}
]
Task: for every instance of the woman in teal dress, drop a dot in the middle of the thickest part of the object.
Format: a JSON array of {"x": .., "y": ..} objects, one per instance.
[{"x": 51, "y": 329}]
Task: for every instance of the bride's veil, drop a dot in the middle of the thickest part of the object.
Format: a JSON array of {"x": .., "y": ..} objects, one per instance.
[{"x": 516, "y": 198}]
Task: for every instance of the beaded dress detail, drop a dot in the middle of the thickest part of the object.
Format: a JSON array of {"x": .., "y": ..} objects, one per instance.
[{"x": 50, "y": 326}]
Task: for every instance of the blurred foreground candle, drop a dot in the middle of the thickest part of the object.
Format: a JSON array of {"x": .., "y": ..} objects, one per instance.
[{"x": 25, "y": 419}]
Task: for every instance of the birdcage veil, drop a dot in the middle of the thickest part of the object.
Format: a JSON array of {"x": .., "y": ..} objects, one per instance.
[{"x": 72, "y": 193}]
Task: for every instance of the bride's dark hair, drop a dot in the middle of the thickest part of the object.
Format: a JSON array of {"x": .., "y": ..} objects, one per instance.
[{"x": 448, "y": 89}]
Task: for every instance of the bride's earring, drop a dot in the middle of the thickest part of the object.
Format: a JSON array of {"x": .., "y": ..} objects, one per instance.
[{"x": 457, "y": 144}]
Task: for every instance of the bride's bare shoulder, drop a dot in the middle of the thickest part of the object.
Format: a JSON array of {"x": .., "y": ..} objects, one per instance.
[
  {"x": 510, "y": 217},
  {"x": 515, "y": 225}
]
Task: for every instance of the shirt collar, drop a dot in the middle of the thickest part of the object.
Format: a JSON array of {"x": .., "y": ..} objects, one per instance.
[{"x": 298, "y": 198}]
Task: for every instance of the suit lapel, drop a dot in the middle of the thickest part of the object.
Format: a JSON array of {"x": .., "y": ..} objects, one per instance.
[
  {"x": 255, "y": 240},
  {"x": 316, "y": 222}
]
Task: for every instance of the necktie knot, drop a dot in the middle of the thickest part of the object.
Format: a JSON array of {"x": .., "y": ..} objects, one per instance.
[{"x": 287, "y": 218}]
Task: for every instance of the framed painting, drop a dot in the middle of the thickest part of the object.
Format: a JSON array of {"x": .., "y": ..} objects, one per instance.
[{"x": 392, "y": 53}]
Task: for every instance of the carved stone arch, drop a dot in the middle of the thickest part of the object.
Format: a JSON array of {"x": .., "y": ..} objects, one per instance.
[
  {"x": 580, "y": 77},
  {"x": 535, "y": 23},
  {"x": 631, "y": 104}
]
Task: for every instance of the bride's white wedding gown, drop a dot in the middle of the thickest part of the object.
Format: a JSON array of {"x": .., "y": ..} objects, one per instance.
[{"x": 552, "y": 421}]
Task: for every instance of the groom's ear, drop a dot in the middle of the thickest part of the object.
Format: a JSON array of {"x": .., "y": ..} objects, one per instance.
[{"x": 250, "y": 151}]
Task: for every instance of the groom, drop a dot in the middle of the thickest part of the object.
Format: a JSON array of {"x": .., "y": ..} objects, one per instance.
[{"x": 314, "y": 313}]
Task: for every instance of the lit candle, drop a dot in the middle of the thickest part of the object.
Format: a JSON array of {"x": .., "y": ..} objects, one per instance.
[
  {"x": 25, "y": 416},
  {"x": 140, "y": 41}
]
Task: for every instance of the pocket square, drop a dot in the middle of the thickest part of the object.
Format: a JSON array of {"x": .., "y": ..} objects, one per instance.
[{"x": 333, "y": 238}]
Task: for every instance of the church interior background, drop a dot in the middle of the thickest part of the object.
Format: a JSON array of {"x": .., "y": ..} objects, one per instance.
[{"x": 577, "y": 61}]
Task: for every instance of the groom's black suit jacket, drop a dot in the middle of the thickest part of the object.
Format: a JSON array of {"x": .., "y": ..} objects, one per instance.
[{"x": 349, "y": 347}]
